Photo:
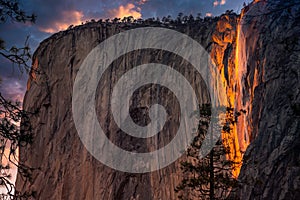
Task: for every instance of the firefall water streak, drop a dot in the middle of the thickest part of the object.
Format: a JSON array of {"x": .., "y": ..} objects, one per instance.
[
  {"x": 230, "y": 140},
  {"x": 241, "y": 102},
  {"x": 245, "y": 84},
  {"x": 238, "y": 138}
]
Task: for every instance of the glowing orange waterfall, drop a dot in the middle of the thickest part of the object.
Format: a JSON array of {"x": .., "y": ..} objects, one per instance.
[
  {"x": 238, "y": 138},
  {"x": 239, "y": 131},
  {"x": 241, "y": 86}
]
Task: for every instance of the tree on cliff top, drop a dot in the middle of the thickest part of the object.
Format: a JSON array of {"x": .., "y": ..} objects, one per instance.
[{"x": 12, "y": 135}]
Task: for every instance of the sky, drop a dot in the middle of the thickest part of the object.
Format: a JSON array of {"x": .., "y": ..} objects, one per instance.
[{"x": 57, "y": 15}]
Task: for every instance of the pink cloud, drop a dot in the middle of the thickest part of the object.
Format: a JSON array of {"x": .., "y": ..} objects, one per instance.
[
  {"x": 126, "y": 10},
  {"x": 73, "y": 17},
  {"x": 217, "y": 3},
  {"x": 141, "y": 2},
  {"x": 13, "y": 89}
]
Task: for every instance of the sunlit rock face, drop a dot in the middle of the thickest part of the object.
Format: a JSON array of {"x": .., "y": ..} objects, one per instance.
[
  {"x": 271, "y": 95},
  {"x": 64, "y": 168}
]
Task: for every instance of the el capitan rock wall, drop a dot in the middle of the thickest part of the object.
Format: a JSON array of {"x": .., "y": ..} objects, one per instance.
[
  {"x": 259, "y": 61},
  {"x": 64, "y": 168}
]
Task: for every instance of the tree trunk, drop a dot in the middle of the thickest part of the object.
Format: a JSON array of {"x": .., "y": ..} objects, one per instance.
[{"x": 211, "y": 176}]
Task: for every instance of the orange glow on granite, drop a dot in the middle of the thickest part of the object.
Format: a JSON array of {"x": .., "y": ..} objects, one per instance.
[
  {"x": 32, "y": 74},
  {"x": 241, "y": 129},
  {"x": 235, "y": 68}
]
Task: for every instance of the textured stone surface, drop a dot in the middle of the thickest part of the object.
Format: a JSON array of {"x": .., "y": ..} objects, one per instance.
[
  {"x": 259, "y": 60},
  {"x": 65, "y": 170},
  {"x": 271, "y": 85}
]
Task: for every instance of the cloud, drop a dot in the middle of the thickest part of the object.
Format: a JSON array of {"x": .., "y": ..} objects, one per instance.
[
  {"x": 73, "y": 17},
  {"x": 13, "y": 88},
  {"x": 125, "y": 11},
  {"x": 217, "y": 3},
  {"x": 13, "y": 168},
  {"x": 208, "y": 14},
  {"x": 141, "y": 2}
]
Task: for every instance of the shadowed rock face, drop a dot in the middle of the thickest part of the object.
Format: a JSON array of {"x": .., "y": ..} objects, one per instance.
[
  {"x": 271, "y": 167},
  {"x": 262, "y": 78}
]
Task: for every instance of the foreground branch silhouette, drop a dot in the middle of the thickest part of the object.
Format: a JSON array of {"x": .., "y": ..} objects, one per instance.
[{"x": 15, "y": 128}]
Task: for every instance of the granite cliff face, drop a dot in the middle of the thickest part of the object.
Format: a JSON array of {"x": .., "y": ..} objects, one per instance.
[
  {"x": 65, "y": 169},
  {"x": 258, "y": 58},
  {"x": 269, "y": 59}
]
